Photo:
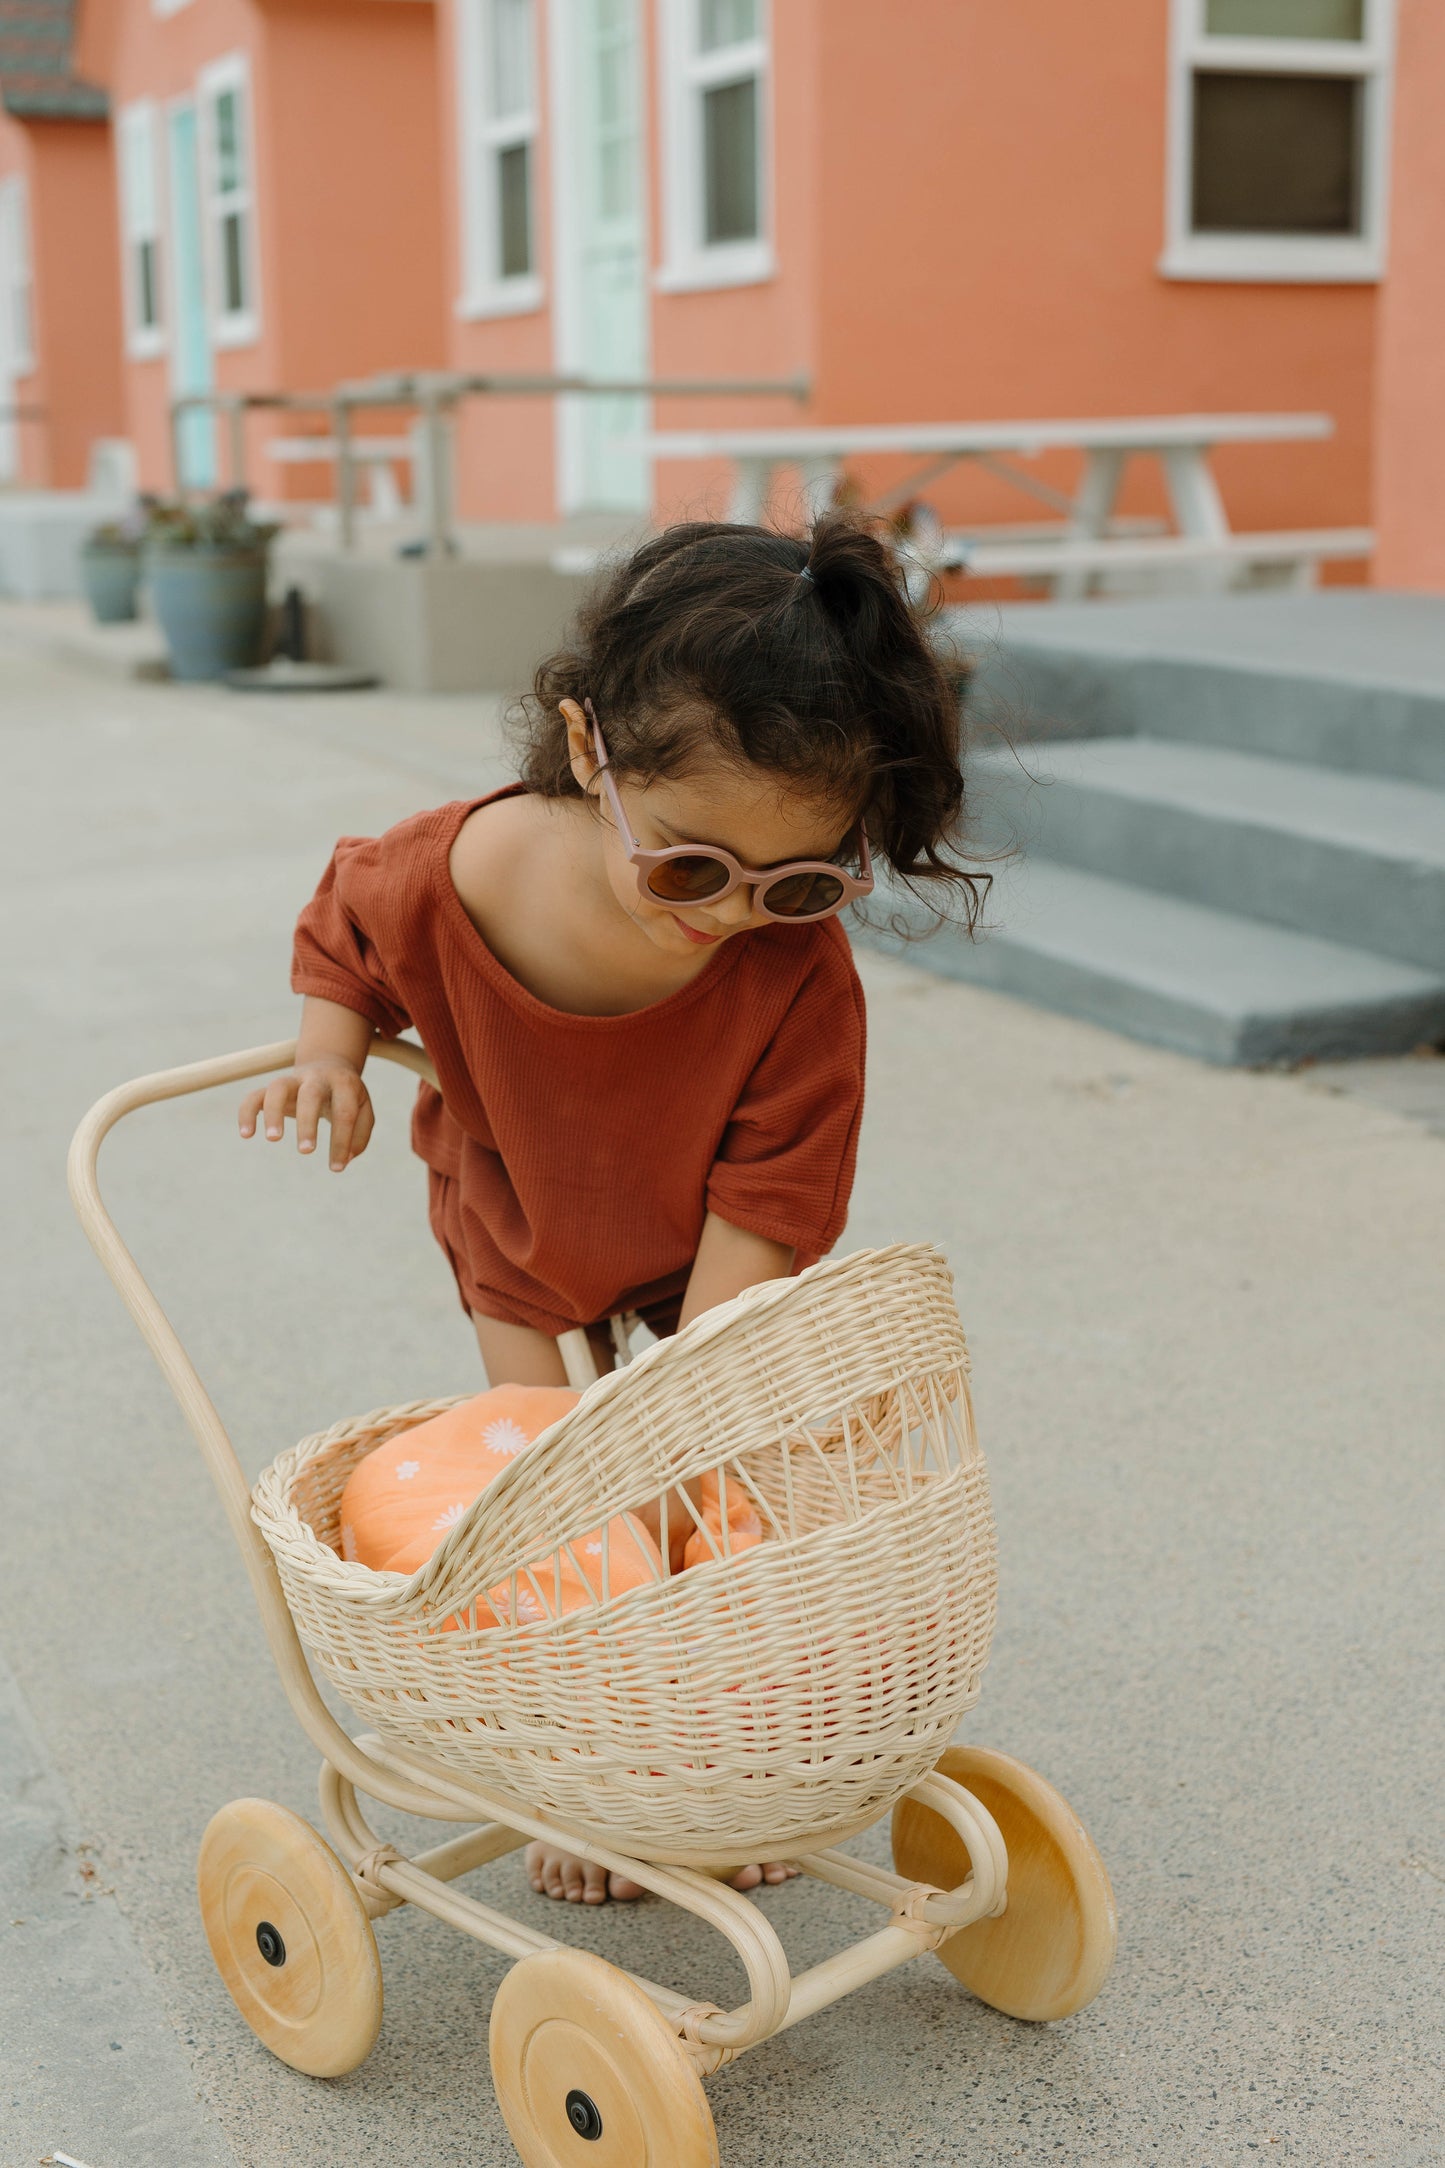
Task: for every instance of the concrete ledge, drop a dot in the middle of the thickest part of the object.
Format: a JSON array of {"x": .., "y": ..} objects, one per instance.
[{"x": 447, "y": 625}]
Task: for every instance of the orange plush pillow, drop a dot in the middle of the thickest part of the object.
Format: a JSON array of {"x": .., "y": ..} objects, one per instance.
[
  {"x": 744, "y": 1527},
  {"x": 402, "y": 1498}
]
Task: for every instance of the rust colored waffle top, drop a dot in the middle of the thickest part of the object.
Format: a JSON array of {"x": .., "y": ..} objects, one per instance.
[{"x": 573, "y": 1158}]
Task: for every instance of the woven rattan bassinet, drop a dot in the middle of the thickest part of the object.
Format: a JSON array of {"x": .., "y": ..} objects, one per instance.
[{"x": 776, "y": 1698}]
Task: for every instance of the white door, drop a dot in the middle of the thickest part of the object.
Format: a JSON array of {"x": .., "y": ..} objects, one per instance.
[{"x": 603, "y": 323}]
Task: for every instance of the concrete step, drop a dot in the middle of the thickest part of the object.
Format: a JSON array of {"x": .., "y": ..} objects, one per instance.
[
  {"x": 1354, "y": 859},
  {"x": 1348, "y": 678},
  {"x": 1206, "y": 982}
]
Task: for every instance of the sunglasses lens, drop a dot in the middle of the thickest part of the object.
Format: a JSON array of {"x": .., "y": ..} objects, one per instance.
[
  {"x": 689, "y": 879},
  {"x": 803, "y": 895}
]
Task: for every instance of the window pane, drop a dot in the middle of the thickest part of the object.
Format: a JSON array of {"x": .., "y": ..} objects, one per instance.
[
  {"x": 511, "y": 58},
  {"x": 1276, "y": 154},
  {"x": 514, "y": 211},
  {"x": 148, "y": 300},
  {"x": 233, "y": 263},
  {"x": 726, "y": 22},
  {"x": 730, "y": 162},
  {"x": 1286, "y": 18},
  {"x": 228, "y": 143}
]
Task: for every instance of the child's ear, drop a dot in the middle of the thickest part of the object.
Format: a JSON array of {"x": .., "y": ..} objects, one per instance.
[{"x": 579, "y": 745}]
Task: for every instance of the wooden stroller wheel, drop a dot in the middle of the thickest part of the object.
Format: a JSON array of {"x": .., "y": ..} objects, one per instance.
[
  {"x": 588, "y": 2072},
  {"x": 1049, "y": 1952},
  {"x": 291, "y": 1937}
]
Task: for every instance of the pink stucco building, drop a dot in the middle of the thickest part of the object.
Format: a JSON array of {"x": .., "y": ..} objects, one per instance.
[
  {"x": 278, "y": 194},
  {"x": 957, "y": 210},
  {"x": 953, "y": 210},
  {"x": 60, "y": 371}
]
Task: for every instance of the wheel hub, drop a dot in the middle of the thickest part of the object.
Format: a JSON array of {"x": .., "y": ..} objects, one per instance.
[{"x": 582, "y": 2114}]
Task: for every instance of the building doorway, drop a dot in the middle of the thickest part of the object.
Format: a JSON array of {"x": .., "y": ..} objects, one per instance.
[
  {"x": 602, "y": 300},
  {"x": 192, "y": 368}
]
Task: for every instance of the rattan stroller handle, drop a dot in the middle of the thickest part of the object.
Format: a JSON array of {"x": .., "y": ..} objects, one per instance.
[{"x": 195, "y": 1402}]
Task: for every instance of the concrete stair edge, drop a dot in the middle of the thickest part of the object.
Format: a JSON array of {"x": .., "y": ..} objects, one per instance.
[
  {"x": 1053, "y": 691},
  {"x": 1358, "y": 861},
  {"x": 1238, "y": 992}
]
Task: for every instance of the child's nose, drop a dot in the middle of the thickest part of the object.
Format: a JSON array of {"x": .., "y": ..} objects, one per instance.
[{"x": 736, "y": 909}]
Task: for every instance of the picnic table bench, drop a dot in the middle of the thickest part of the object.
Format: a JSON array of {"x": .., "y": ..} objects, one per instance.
[{"x": 1086, "y": 537}]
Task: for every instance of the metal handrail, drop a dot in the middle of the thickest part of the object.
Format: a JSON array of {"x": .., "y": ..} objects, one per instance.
[{"x": 435, "y": 393}]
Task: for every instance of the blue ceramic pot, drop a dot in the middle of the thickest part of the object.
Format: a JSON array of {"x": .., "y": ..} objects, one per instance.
[
  {"x": 211, "y": 606},
  {"x": 110, "y": 575}
]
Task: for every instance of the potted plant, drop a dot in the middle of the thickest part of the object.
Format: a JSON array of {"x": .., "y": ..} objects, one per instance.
[
  {"x": 205, "y": 567},
  {"x": 110, "y": 567}
]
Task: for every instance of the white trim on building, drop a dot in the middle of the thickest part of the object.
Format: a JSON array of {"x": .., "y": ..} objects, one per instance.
[
  {"x": 142, "y": 237},
  {"x": 228, "y": 200},
  {"x": 17, "y": 288},
  {"x": 714, "y": 74},
  {"x": 497, "y": 136},
  {"x": 1282, "y": 257}
]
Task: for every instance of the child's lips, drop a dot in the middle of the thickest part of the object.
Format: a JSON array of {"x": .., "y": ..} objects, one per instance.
[{"x": 704, "y": 940}]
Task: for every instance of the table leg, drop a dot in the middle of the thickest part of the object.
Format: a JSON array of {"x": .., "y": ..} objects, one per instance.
[
  {"x": 1103, "y": 472},
  {"x": 819, "y": 478},
  {"x": 1198, "y": 509},
  {"x": 752, "y": 480}
]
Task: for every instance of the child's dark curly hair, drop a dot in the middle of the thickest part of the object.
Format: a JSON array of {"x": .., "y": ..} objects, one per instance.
[{"x": 797, "y": 654}]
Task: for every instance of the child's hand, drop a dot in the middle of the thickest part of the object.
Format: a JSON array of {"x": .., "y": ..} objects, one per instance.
[{"x": 329, "y": 1089}]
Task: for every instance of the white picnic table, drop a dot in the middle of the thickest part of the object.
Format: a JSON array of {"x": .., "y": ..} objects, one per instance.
[
  {"x": 1085, "y": 530},
  {"x": 377, "y": 456}
]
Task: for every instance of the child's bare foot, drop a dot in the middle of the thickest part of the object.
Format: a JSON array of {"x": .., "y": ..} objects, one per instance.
[
  {"x": 555, "y": 1873},
  {"x": 771, "y": 1870}
]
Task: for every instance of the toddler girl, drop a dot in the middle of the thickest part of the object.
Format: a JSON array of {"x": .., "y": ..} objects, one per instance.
[{"x": 628, "y": 967}]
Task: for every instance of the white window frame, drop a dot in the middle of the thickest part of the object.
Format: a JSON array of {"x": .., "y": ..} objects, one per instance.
[
  {"x": 480, "y": 137},
  {"x": 229, "y": 327},
  {"x": 140, "y": 122},
  {"x": 692, "y": 264},
  {"x": 1281, "y": 258},
  {"x": 17, "y": 272}
]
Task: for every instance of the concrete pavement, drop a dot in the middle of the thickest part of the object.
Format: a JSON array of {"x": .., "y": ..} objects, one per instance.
[{"x": 1205, "y": 1314}]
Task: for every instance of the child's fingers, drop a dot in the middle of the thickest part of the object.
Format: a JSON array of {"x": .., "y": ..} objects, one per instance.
[
  {"x": 365, "y": 1123},
  {"x": 250, "y": 1108},
  {"x": 310, "y": 1106},
  {"x": 346, "y": 1097},
  {"x": 277, "y": 1104}
]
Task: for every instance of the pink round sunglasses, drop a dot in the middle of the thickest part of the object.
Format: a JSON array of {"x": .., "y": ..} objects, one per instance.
[{"x": 690, "y": 874}]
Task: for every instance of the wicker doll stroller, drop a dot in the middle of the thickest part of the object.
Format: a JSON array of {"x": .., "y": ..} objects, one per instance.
[{"x": 766, "y": 1703}]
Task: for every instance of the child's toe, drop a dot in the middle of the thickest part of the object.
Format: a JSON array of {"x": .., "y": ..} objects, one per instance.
[{"x": 747, "y": 1878}]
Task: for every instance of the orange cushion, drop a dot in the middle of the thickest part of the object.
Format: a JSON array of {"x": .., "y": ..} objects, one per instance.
[
  {"x": 402, "y": 1498},
  {"x": 744, "y": 1527},
  {"x": 400, "y": 1501}
]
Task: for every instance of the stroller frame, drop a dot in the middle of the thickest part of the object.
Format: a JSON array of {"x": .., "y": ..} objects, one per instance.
[{"x": 942, "y": 1818}]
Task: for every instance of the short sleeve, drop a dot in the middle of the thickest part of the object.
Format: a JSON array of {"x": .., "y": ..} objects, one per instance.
[
  {"x": 340, "y": 948},
  {"x": 784, "y": 1169}
]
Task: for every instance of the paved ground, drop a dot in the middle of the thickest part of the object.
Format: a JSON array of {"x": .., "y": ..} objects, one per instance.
[{"x": 1205, "y": 1312}]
